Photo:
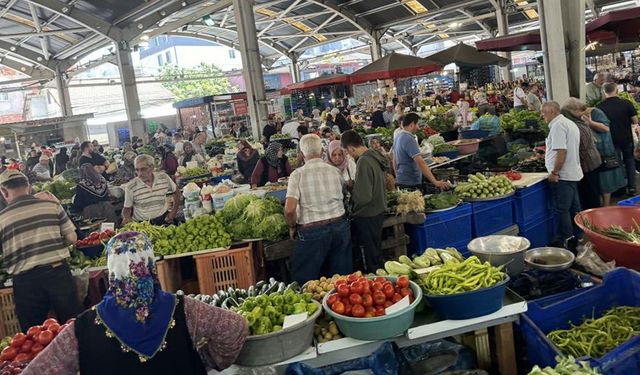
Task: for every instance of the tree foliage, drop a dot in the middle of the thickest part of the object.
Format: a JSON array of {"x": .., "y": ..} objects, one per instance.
[{"x": 193, "y": 87}]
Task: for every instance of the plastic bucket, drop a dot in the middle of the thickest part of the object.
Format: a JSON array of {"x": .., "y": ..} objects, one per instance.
[{"x": 469, "y": 304}]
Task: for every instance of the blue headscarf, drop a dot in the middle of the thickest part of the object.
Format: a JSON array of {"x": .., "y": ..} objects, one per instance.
[{"x": 134, "y": 309}]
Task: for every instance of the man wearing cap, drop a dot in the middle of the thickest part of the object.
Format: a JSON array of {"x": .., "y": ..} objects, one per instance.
[
  {"x": 388, "y": 116},
  {"x": 35, "y": 236},
  {"x": 377, "y": 117},
  {"x": 42, "y": 171}
]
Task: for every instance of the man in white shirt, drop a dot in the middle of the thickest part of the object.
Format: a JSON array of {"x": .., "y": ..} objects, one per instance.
[
  {"x": 388, "y": 115},
  {"x": 562, "y": 160},
  {"x": 42, "y": 171},
  {"x": 519, "y": 96}
]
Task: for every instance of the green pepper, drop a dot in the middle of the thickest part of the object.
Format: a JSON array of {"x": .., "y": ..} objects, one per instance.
[
  {"x": 262, "y": 300},
  {"x": 280, "y": 319},
  {"x": 277, "y": 328},
  {"x": 288, "y": 309},
  {"x": 311, "y": 308},
  {"x": 264, "y": 326},
  {"x": 278, "y": 300},
  {"x": 307, "y": 297},
  {"x": 271, "y": 313},
  {"x": 299, "y": 308},
  {"x": 291, "y": 297},
  {"x": 248, "y": 305},
  {"x": 251, "y": 319},
  {"x": 257, "y": 312}
]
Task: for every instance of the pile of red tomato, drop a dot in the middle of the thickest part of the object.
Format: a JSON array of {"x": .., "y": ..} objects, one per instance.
[
  {"x": 360, "y": 297},
  {"x": 24, "y": 348},
  {"x": 513, "y": 175},
  {"x": 96, "y": 238}
]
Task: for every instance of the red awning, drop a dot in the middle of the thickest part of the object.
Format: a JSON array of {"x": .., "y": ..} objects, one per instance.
[
  {"x": 394, "y": 66},
  {"x": 325, "y": 80},
  {"x": 618, "y": 26},
  {"x": 526, "y": 41}
]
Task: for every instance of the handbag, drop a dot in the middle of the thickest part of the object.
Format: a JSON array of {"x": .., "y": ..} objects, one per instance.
[{"x": 610, "y": 161}]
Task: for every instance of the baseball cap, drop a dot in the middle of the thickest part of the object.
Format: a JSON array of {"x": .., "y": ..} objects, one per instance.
[{"x": 10, "y": 174}]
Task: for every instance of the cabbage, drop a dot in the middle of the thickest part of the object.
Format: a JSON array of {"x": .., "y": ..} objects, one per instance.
[
  {"x": 256, "y": 211},
  {"x": 234, "y": 207},
  {"x": 273, "y": 205},
  {"x": 273, "y": 227}
]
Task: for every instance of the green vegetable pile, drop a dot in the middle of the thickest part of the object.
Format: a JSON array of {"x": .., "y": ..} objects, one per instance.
[
  {"x": 71, "y": 175},
  {"x": 280, "y": 136},
  {"x": 194, "y": 172},
  {"x": 202, "y": 233},
  {"x": 565, "y": 366},
  {"x": 596, "y": 337},
  {"x": 431, "y": 257},
  {"x": 234, "y": 297},
  {"x": 441, "y": 201},
  {"x": 442, "y": 123},
  {"x": 247, "y": 216},
  {"x": 617, "y": 232},
  {"x": 460, "y": 277},
  {"x": 479, "y": 186},
  {"x": 79, "y": 261},
  {"x": 535, "y": 164},
  {"x": 444, "y": 147},
  {"x": 62, "y": 189},
  {"x": 625, "y": 95},
  {"x": 146, "y": 150},
  {"x": 516, "y": 119}
]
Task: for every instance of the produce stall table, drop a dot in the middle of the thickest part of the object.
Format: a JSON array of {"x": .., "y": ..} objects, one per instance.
[
  {"x": 426, "y": 327},
  {"x": 450, "y": 161}
]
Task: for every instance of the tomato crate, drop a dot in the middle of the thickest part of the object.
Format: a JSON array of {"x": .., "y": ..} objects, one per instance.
[
  {"x": 220, "y": 270},
  {"x": 9, "y": 324},
  {"x": 441, "y": 230}
]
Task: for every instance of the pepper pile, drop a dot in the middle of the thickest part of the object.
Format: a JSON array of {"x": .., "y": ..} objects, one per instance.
[{"x": 459, "y": 277}]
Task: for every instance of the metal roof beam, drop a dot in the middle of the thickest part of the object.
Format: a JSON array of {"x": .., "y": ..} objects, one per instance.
[
  {"x": 48, "y": 22},
  {"x": 279, "y": 17},
  {"x": 135, "y": 29},
  {"x": 31, "y": 71},
  {"x": 431, "y": 15},
  {"x": 106, "y": 59},
  {"x": 38, "y": 27},
  {"x": 7, "y": 7},
  {"x": 27, "y": 55},
  {"x": 482, "y": 25},
  {"x": 42, "y": 33},
  {"x": 274, "y": 46}
]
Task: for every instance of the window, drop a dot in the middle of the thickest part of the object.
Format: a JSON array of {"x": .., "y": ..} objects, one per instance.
[
  {"x": 160, "y": 59},
  {"x": 167, "y": 55},
  {"x": 4, "y": 97},
  {"x": 232, "y": 53}
]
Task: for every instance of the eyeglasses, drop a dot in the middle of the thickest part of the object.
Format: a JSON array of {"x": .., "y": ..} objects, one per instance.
[{"x": 142, "y": 169}]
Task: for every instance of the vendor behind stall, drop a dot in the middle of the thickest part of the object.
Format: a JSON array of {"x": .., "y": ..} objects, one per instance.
[
  {"x": 139, "y": 329},
  {"x": 145, "y": 197},
  {"x": 271, "y": 167},
  {"x": 42, "y": 171},
  {"x": 247, "y": 158},
  {"x": 199, "y": 141},
  {"x": 92, "y": 195},
  {"x": 189, "y": 154}
]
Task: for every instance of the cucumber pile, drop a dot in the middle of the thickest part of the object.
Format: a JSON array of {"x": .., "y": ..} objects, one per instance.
[{"x": 480, "y": 186}]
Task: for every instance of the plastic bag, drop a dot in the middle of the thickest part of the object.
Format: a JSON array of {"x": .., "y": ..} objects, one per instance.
[
  {"x": 588, "y": 259},
  {"x": 81, "y": 278}
]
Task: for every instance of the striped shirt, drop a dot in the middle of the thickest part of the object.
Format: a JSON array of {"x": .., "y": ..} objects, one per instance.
[
  {"x": 148, "y": 202},
  {"x": 32, "y": 232},
  {"x": 317, "y": 186}
]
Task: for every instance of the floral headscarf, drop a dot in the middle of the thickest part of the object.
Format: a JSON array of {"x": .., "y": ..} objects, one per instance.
[
  {"x": 134, "y": 309},
  {"x": 272, "y": 154}
]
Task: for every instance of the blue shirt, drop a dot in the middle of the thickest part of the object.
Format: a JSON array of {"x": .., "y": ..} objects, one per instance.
[{"x": 405, "y": 148}]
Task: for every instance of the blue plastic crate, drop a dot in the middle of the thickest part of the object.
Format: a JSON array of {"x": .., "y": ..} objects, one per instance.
[
  {"x": 620, "y": 287},
  {"x": 634, "y": 201},
  {"x": 531, "y": 202},
  {"x": 539, "y": 230},
  {"x": 441, "y": 230},
  {"x": 492, "y": 216}
]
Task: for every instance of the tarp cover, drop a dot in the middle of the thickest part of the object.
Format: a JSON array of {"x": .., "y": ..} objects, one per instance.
[
  {"x": 394, "y": 66},
  {"x": 466, "y": 56}
]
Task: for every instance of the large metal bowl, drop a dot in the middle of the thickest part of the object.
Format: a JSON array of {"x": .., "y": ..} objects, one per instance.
[
  {"x": 501, "y": 250},
  {"x": 549, "y": 258}
]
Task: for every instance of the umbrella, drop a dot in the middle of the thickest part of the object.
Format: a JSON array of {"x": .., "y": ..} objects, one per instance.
[
  {"x": 526, "y": 41},
  {"x": 394, "y": 66},
  {"x": 324, "y": 80},
  {"x": 619, "y": 26},
  {"x": 468, "y": 57}
]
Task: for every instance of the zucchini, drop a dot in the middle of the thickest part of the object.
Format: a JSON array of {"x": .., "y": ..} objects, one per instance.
[
  {"x": 282, "y": 287},
  {"x": 232, "y": 293},
  {"x": 222, "y": 295},
  {"x": 293, "y": 286},
  {"x": 264, "y": 288},
  {"x": 215, "y": 301},
  {"x": 241, "y": 293},
  {"x": 271, "y": 289},
  {"x": 232, "y": 302}
]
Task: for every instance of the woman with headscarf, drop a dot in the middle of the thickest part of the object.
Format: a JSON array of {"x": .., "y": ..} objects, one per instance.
[
  {"x": 61, "y": 161},
  {"x": 189, "y": 154},
  {"x": 271, "y": 167},
  {"x": 247, "y": 158},
  {"x": 198, "y": 143},
  {"x": 339, "y": 158},
  {"x": 139, "y": 329},
  {"x": 169, "y": 162},
  {"x": 92, "y": 195},
  {"x": 126, "y": 172}
]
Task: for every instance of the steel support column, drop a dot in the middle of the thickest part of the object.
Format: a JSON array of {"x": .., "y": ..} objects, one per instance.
[
  {"x": 63, "y": 93},
  {"x": 574, "y": 39},
  {"x": 130, "y": 91},
  {"x": 376, "y": 45},
  {"x": 294, "y": 67},
  {"x": 252, "y": 68},
  {"x": 553, "y": 49},
  {"x": 503, "y": 30}
]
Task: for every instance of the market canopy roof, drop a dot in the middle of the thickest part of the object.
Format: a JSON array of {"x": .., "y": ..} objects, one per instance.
[
  {"x": 324, "y": 80},
  {"x": 394, "y": 66},
  {"x": 605, "y": 49},
  {"x": 526, "y": 41},
  {"x": 466, "y": 56},
  {"x": 620, "y": 26}
]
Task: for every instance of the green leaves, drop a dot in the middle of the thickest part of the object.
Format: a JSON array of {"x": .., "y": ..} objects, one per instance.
[{"x": 202, "y": 80}]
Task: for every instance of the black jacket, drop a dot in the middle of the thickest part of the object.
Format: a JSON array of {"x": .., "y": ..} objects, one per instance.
[{"x": 377, "y": 119}]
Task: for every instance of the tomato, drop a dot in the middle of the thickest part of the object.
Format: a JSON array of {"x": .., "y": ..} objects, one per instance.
[
  {"x": 343, "y": 290},
  {"x": 8, "y": 353},
  {"x": 376, "y": 286},
  {"x": 339, "y": 282},
  {"x": 388, "y": 291},
  {"x": 379, "y": 279},
  {"x": 396, "y": 297},
  {"x": 387, "y": 303},
  {"x": 356, "y": 287},
  {"x": 352, "y": 278},
  {"x": 386, "y": 283},
  {"x": 402, "y": 281},
  {"x": 355, "y": 299},
  {"x": 367, "y": 300},
  {"x": 379, "y": 298},
  {"x": 49, "y": 322},
  {"x": 33, "y": 332},
  {"x": 369, "y": 314},
  {"x": 366, "y": 287},
  {"x": 347, "y": 309},
  {"x": 37, "y": 348},
  {"x": 369, "y": 309},
  {"x": 26, "y": 347},
  {"x": 379, "y": 311},
  {"x": 338, "y": 307},
  {"x": 18, "y": 340},
  {"x": 45, "y": 337},
  {"x": 54, "y": 327},
  {"x": 332, "y": 299},
  {"x": 406, "y": 292},
  {"x": 357, "y": 311},
  {"x": 22, "y": 357}
]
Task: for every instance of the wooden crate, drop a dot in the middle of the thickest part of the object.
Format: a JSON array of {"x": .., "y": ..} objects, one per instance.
[
  {"x": 223, "y": 269},
  {"x": 9, "y": 324},
  {"x": 169, "y": 274}
]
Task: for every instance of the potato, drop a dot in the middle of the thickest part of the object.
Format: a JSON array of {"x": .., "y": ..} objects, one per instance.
[
  {"x": 328, "y": 336},
  {"x": 333, "y": 329}
]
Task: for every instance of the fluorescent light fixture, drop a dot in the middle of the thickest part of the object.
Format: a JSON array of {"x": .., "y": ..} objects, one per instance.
[
  {"x": 207, "y": 20},
  {"x": 443, "y": 36},
  {"x": 416, "y": 6},
  {"x": 531, "y": 13}
]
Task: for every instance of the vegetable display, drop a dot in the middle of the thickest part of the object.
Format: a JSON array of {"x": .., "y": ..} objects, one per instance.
[
  {"x": 234, "y": 297},
  {"x": 565, "y": 366},
  {"x": 459, "y": 277},
  {"x": 534, "y": 164},
  {"x": 518, "y": 119},
  {"x": 442, "y": 123},
  {"x": 480, "y": 186},
  {"x": 192, "y": 172},
  {"x": 410, "y": 202},
  {"x": 360, "y": 297},
  {"x": 441, "y": 201},
  {"x": 80, "y": 261},
  {"x": 513, "y": 175},
  {"x": 626, "y": 96},
  {"x": 443, "y": 148},
  {"x": 280, "y": 136},
  {"x": 617, "y": 232},
  {"x": 430, "y": 257},
  {"x": 247, "y": 216},
  {"x": 596, "y": 337},
  {"x": 319, "y": 288},
  {"x": 325, "y": 328},
  {"x": 72, "y": 175},
  {"x": 95, "y": 238},
  {"x": 62, "y": 189},
  {"x": 24, "y": 348}
]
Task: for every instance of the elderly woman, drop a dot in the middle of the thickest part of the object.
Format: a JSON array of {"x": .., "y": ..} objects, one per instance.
[
  {"x": 339, "y": 158},
  {"x": 610, "y": 178},
  {"x": 273, "y": 166},
  {"x": 189, "y": 154},
  {"x": 139, "y": 329},
  {"x": 247, "y": 158},
  {"x": 199, "y": 141},
  {"x": 92, "y": 194}
]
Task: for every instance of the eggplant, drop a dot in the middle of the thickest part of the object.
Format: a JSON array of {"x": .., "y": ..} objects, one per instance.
[
  {"x": 215, "y": 301},
  {"x": 232, "y": 302},
  {"x": 293, "y": 286},
  {"x": 260, "y": 284},
  {"x": 264, "y": 288},
  {"x": 251, "y": 292},
  {"x": 241, "y": 293},
  {"x": 282, "y": 287},
  {"x": 272, "y": 281},
  {"x": 231, "y": 292},
  {"x": 271, "y": 289},
  {"x": 222, "y": 295}
]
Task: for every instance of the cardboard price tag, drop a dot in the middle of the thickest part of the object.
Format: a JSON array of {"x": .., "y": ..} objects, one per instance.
[
  {"x": 105, "y": 226},
  {"x": 292, "y": 320},
  {"x": 403, "y": 303}
]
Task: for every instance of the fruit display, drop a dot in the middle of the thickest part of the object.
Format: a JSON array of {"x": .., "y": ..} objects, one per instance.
[
  {"x": 480, "y": 187},
  {"x": 319, "y": 288},
  {"x": 518, "y": 119},
  {"x": 429, "y": 258},
  {"x": 325, "y": 328},
  {"x": 459, "y": 277},
  {"x": 247, "y": 216},
  {"x": 95, "y": 238},
  {"x": 202, "y": 233},
  {"x": 565, "y": 366},
  {"x": 359, "y": 297},
  {"x": 441, "y": 201},
  {"x": 410, "y": 202},
  {"x": 24, "y": 348},
  {"x": 235, "y": 297}
]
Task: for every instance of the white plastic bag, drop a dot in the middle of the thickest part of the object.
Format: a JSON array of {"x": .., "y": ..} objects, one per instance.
[{"x": 588, "y": 259}]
